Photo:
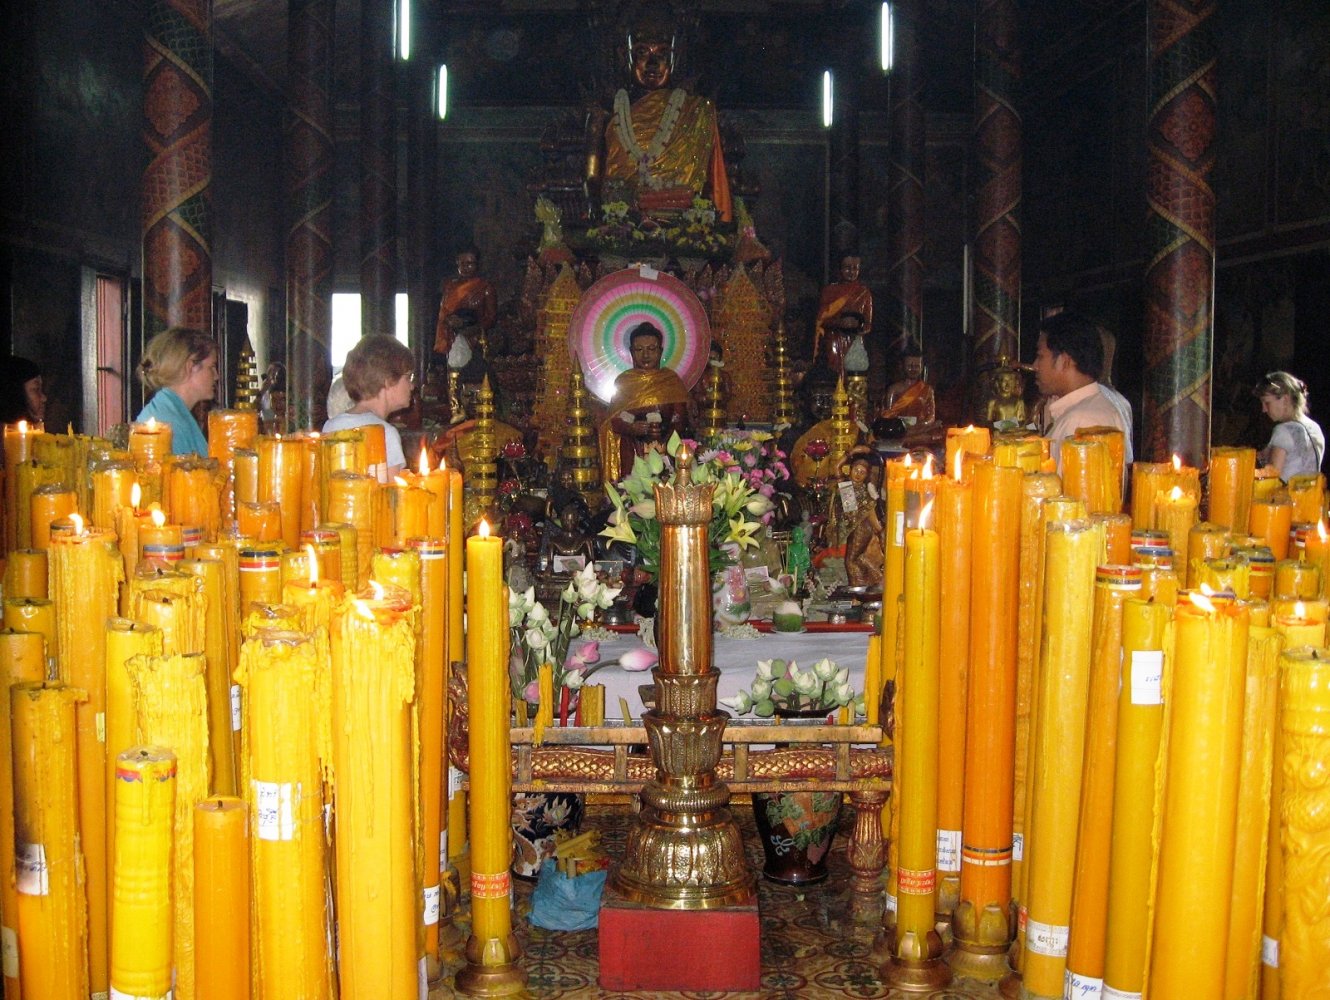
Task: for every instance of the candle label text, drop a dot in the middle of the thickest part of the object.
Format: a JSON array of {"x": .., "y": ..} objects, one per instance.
[
  {"x": 898, "y": 529},
  {"x": 1147, "y": 677},
  {"x": 948, "y": 850},
  {"x": 443, "y": 850},
  {"x": 272, "y": 801},
  {"x": 454, "y": 780},
  {"x": 490, "y": 886},
  {"x": 1018, "y": 846},
  {"x": 1270, "y": 951},
  {"x": 432, "y": 903},
  {"x": 921, "y": 882},
  {"x": 33, "y": 875},
  {"x": 9, "y": 952},
  {"x": 1078, "y": 987},
  {"x": 235, "y": 707},
  {"x": 1046, "y": 939}
]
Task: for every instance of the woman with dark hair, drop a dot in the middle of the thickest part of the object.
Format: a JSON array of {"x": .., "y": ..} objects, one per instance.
[
  {"x": 1297, "y": 444},
  {"x": 22, "y": 394}
]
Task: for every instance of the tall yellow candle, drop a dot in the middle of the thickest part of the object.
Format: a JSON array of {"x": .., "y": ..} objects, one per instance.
[
  {"x": 1198, "y": 800},
  {"x": 893, "y": 580},
  {"x": 245, "y": 466},
  {"x": 1087, "y": 474},
  {"x": 492, "y": 943},
  {"x": 26, "y": 614},
  {"x": 141, "y": 918},
  {"x": 1148, "y": 479},
  {"x": 1140, "y": 723},
  {"x": 150, "y": 442},
  {"x": 373, "y": 685},
  {"x": 228, "y": 432},
  {"x": 311, "y": 476},
  {"x": 403, "y": 512},
  {"x": 1115, "y": 448},
  {"x": 1175, "y": 513},
  {"x": 351, "y": 501},
  {"x": 1205, "y": 541},
  {"x": 221, "y": 898},
  {"x": 171, "y": 708},
  {"x": 435, "y": 482},
  {"x": 113, "y": 484},
  {"x": 1299, "y": 580},
  {"x": 1232, "y": 473},
  {"x": 260, "y": 571},
  {"x": 918, "y": 947},
  {"x": 955, "y": 518},
  {"x": 18, "y": 448},
  {"x": 1117, "y": 537},
  {"x": 281, "y": 474},
  {"x": 1270, "y": 522},
  {"x": 22, "y": 661},
  {"x": 49, "y": 503},
  {"x": 981, "y": 925},
  {"x": 259, "y": 519},
  {"x": 216, "y": 651},
  {"x": 285, "y": 676},
  {"x": 25, "y": 574},
  {"x": 1304, "y": 718},
  {"x": 1059, "y": 741},
  {"x": 965, "y": 440},
  {"x": 1259, "y": 718},
  {"x": 195, "y": 495},
  {"x": 29, "y": 477},
  {"x": 327, "y": 546},
  {"x": 52, "y": 912}
]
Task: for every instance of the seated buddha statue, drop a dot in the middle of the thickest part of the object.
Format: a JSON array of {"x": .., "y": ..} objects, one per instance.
[
  {"x": 810, "y": 455},
  {"x": 910, "y": 398},
  {"x": 566, "y": 546},
  {"x": 1005, "y": 406},
  {"x": 662, "y": 144},
  {"x": 649, "y": 404}
]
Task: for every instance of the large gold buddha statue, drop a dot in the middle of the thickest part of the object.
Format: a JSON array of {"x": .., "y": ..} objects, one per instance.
[{"x": 662, "y": 144}]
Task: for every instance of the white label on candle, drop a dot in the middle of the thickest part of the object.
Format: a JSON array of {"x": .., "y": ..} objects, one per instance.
[
  {"x": 116, "y": 994},
  {"x": 1046, "y": 939},
  {"x": 443, "y": 850},
  {"x": 431, "y": 905},
  {"x": 235, "y": 708},
  {"x": 9, "y": 952},
  {"x": 1018, "y": 847},
  {"x": 454, "y": 780},
  {"x": 1078, "y": 987},
  {"x": 1112, "y": 994},
  {"x": 891, "y": 903},
  {"x": 272, "y": 803},
  {"x": 948, "y": 850},
  {"x": 849, "y": 503},
  {"x": 1147, "y": 677},
  {"x": 101, "y": 727},
  {"x": 899, "y": 528},
  {"x": 33, "y": 878},
  {"x": 1270, "y": 951}
]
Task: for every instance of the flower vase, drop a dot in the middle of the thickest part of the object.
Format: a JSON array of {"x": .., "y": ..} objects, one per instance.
[
  {"x": 729, "y": 596},
  {"x": 796, "y": 828},
  {"x": 537, "y": 818}
]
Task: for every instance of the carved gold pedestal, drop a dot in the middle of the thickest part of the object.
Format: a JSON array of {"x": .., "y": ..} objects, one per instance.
[
  {"x": 920, "y": 974},
  {"x": 501, "y": 977},
  {"x": 982, "y": 943}
]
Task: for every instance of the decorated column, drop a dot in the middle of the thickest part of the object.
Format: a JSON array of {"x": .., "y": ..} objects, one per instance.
[
  {"x": 903, "y": 318},
  {"x": 177, "y": 127},
  {"x": 1180, "y": 233}
]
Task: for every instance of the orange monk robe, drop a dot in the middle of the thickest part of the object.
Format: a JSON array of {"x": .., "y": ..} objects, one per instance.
[
  {"x": 842, "y": 297},
  {"x": 916, "y": 400},
  {"x": 638, "y": 392},
  {"x": 692, "y": 160},
  {"x": 476, "y": 294}
]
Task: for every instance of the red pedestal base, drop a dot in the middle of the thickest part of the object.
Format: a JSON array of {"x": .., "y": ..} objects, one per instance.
[{"x": 649, "y": 949}]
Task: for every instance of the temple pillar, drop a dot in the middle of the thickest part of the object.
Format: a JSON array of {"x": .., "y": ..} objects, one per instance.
[
  {"x": 378, "y": 168},
  {"x": 997, "y": 140},
  {"x": 902, "y": 320},
  {"x": 309, "y": 183},
  {"x": 1180, "y": 233},
  {"x": 422, "y": 167},
  {"x": 843, "y": 189},
  {"x": 177, "y": 202}
]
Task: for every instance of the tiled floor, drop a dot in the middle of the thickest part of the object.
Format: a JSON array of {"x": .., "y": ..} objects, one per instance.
[{"x": 810, "y": 948}]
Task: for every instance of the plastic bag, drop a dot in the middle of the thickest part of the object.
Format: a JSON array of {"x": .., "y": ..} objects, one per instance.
[{"x": 560, "y": 903}]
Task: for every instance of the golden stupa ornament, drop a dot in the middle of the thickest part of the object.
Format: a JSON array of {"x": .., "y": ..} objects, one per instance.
[
  {"x": 844, "y": 432},
  {"x": 783, "y": 383},
  {"x": 247, "y": 379},
  {"x": 580, "y": 451},
  {"x": 712, "y": 417},
  {"x": 684, "y": 852},
  {"x": 481, "y": 472}
]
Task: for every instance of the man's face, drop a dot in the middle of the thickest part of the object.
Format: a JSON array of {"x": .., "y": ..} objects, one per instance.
[
  {"x": 466, "y": 265},
  {"x": 849, "y": 269},
  {"x": 1049, "y": 369},
  {"x": 645, "y": 351},
  {"x": 651, "y": 62}
]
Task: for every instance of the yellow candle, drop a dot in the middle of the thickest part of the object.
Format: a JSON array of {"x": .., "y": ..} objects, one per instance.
[
  {"x": 1175, "y": 513},
  {"x": 1307, "y": 493},
  {"x": 491, "y": 942},
  {"x": 873, "y": 680},
  {"x": 113, "y": 485},
  {"x": 18, "y": 448},
  {"x": 1160, "y": 585},
  {"x": 1117, "y": 537},
  {"x": 398, "y": 568},
  {"x": 259, "y": 520},
  {"x": 981, "y": 923},
  {"x": 327, "y": 545},
  {"x": 1059, "y": 740},
  {"x": 49, "y": 503},
  {"x": 1087, "y": 474},
  {"x": 52, "y": 912},
  {"x": 1147, "y": 480},
  {"x": 150, "y": 442},
  {"x": 1198, "y": 801},
  {"x": 1232, "y": 474},
  {"x": 403, "y": 512},
  {"x": 260, "y": 570},
  {"x": 160, "y": 541},
  {"x": 29, "y": 477},
  {"x": 25, "y": 574},
  {"x": 22, "y": 661},
  {"x": 216, "y": 650},
  {"x": 373, "y": 685},
  {"x": 171, "y": 707},
  {"x": 435, "y": 482},
  {"x": 141, "y": 919},
  {"x": 1140, "y": 722},
  {"x": 893, "y": 566},
  {"x": 26, "y": 614},
  {"x": 1304, "y": 719},
  {"x": 1205, "y": 541},
  {"x": 195, "y": 495},
  {"x": 1115, "y": 445},
  {"x": 917, "y": 943},
  {"x": 340, "y": 451},
  {"x": 1232, "y": 574},
  {"x": 351, "y": 501},
  {"x": 1299, "y": 580},
  {"x": 285, "y": 676},
  {"x": 281, "y": 474},
  {"x": 221, "y": 898},
  {"x": 1242, "y": 975},
  {"x": 1270, "y": 522},
  {"x": 311, "y": 509},
  {"x": 228, "y": 432},
  {"x": 245, "y": 467},
  {"x": 965, "y": 440}
]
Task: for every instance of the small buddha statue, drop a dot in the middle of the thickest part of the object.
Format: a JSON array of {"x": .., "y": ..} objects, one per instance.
[
  {"x": 466, "y": 290},
  {"x": 1004, "y": 408},
  {"x": 649, "y": 404},
  {"x": 566, "y": 546},
  {"x": 810, "y": 451},
  {"x": 910, "y": 398}
]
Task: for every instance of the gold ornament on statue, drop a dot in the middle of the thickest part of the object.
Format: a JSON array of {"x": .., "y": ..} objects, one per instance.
[
  {"x": 685, "y": 852},
  {"x": 580, "y": 452}
]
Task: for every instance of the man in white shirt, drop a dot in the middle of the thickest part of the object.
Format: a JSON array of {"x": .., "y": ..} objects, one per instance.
[{"x": 1067, "y": 366}]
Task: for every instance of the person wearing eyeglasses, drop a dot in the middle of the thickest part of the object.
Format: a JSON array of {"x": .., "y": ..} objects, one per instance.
[
  {"x": 1296, "y": 445},
  {"x": 378, "y": 376}
]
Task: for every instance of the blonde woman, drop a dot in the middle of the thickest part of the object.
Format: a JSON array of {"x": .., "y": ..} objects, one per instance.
[
  {"x": 179, "y": 368},
  {"x": 1297, "y": 444}
]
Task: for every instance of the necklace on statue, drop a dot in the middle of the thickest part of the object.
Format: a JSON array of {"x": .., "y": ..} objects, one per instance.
[{"x": 646, "y": 158}]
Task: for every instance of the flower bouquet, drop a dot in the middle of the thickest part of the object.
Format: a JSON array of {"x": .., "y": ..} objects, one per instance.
[
  {"x": 539, "y": 638},
  {"x": 755, "y": 457},
  {"x": 737, "y": 508},
  {"x": 781, "y": 688}
]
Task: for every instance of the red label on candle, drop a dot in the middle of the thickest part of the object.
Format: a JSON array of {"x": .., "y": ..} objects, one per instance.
[
  {"x": 490, "y": 886},
  {"x": 916, "y": 883}
]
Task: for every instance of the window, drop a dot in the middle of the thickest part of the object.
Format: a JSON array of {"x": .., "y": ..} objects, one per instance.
[{"x": 347, "y": 323}]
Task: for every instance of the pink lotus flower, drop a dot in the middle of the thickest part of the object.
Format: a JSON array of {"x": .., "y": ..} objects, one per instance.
[
  {"x": 587, "y": 654},
  {"x": 636, "y": 660}
]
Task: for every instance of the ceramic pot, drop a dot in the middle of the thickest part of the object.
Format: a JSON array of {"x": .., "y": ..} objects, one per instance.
[
  {"x": 796, "y": 829},
  {"x": 537, "y": 817}
]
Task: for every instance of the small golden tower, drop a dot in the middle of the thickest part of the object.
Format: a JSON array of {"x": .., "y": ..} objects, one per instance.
[
  {"x": 553, "y": 380},
  {"x": 844, "y": 433},
  {"x": 782, "y": 384},
  {"x": 580, "y": 451},
  {"x": 247, "y": 379},
  {"x": 481, "y": 473},
  {"x": 712, "y": 417}
]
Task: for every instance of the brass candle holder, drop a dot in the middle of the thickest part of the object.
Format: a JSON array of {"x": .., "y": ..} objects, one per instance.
[{"x": 685, "y": 851}]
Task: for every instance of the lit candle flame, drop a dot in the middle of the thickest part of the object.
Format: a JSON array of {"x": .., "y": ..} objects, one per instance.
[
  {"x": 313, "y": 565},
  {"x": 1299, "y": 610},
  {"x": 362, "y": 609},
  {"x": 925, "y": 512},
  {"x": 484, "y": 530},
  {"x": 378, "y": 589},
  {"x": 1320, "y": 530},
  {"x": 1175, "y": 493},
  {"x": 1177, "y": 462},
  {"x": 158, "y": 518},
  {"x": 960, "y": 465},
  {"x": 424, "y": 461},
  {"x": 969, "y": 429},
  {"x": 1203, "y": 602},
  {"x": 78, "y": 523},
  {"x": 908, "y": 460},
  {"x": 928, "y": 468},
  {"x": 152, "y": 423},
  {"x": 443, "y": 465},
  {"x": 399, "y": 481},
  {"x": 135, "y": 497},
  {"x": 23, "y": 427}
]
